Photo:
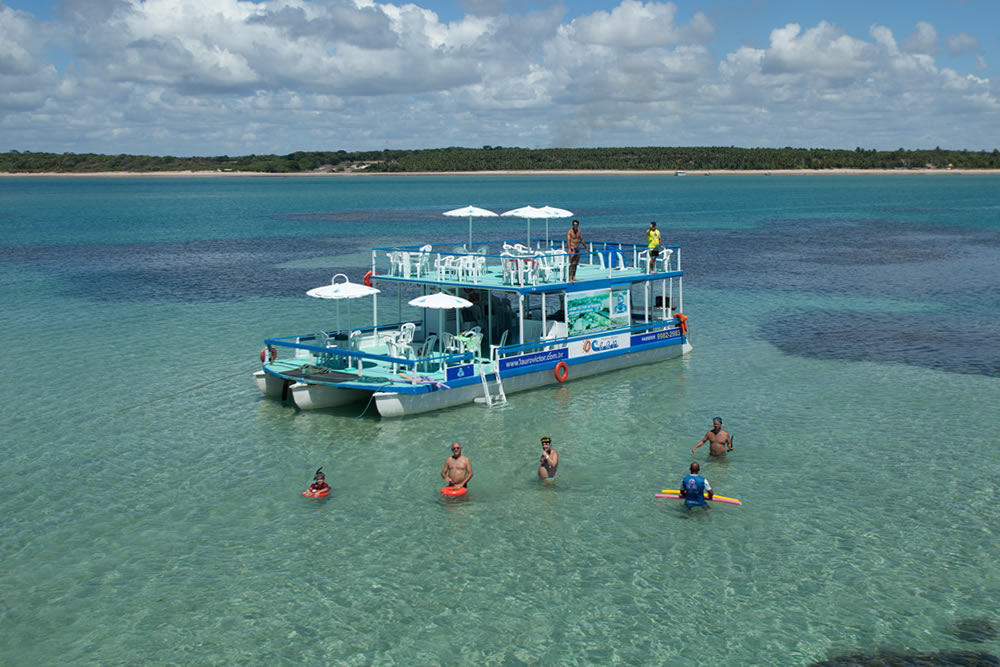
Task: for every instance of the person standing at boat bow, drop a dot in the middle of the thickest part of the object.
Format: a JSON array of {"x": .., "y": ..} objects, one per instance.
[
  {"x": 574, "y": 241},
  {"x": 653, "y": 243},
  {"x": 457, "y": 469}
]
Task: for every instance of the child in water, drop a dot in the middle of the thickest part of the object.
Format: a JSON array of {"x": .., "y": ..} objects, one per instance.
[{"x": 319, "y": 485}]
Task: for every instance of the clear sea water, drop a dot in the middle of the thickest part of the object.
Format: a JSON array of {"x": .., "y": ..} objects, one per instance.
[{"x": 846, "y": 328}]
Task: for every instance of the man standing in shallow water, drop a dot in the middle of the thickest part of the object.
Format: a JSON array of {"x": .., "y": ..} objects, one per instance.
[
  {"x": 457, "y": 470},
  {"x": 720, "y": 442},
  {"x": 694, "y": 487}
]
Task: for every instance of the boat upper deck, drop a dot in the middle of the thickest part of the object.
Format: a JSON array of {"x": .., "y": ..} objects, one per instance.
[{"x": 541, "y": 266}]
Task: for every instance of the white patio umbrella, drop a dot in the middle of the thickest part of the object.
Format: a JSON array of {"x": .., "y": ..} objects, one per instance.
[
  {"x": 527, "y": 212},
  {"x": 440, "y": 301},
  {"x": 553, "y": 212},
  {"x": 342, "y": 290},
  {"x": 472, "y": 212}
]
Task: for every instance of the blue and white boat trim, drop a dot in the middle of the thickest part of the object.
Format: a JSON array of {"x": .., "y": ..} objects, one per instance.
[{"x": 528, "y": 326}]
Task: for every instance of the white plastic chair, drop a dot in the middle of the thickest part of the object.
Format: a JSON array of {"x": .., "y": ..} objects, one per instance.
[
  {"x": 494, "y": 348},
  {"x": 663, "y": 259},
  {"x": 449, "y": 344},
  {"x": 406, "y": 332},
  {"x": 475, "y": 339},
  {"x": 426, "y": 350},
  {"x": 394, "y": 266},
  {"x": 423, "y": 260},
  {"x": 546, "y": 267}
]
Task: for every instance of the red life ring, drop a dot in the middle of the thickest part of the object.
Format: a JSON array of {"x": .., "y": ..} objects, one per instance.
[
  {"x": 309, "y": 493},
  {"x": 268, "y": 353},
  {"x": 452, "y": 491},
  {"x": 562, "y": 371},
  {"x": 682, "y": 320},
  {"x": 368, "y": 278}
]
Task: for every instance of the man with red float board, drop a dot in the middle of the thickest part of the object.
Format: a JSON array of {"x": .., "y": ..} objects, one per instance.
[{"x": 457, "y": 470}]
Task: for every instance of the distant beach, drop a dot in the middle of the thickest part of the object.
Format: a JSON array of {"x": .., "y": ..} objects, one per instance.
[{"x": 527, "y": 172}]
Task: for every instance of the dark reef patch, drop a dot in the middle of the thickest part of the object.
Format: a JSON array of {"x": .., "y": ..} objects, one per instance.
[
  {"x": 912, "y": 659},
  {"x": 953, "y": 345},
  {"x": 978, "y": 629}
]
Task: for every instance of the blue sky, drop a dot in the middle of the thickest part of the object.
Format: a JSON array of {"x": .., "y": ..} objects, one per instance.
[{"x": 207, "y": 77}]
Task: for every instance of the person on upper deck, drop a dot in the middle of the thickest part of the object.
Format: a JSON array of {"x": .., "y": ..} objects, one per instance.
[
  {"x": 653, "y": 242},
  {"x": 574, "y": 241}
]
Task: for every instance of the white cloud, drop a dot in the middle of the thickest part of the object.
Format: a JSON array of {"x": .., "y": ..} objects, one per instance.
[
  {"x": 823, "y": 51},
  {"x": 963, "y": 42},
  {"x": 236, "y": 76},
  {"x": 635, "y": 24},
  {"x": 924, "y": 40}
]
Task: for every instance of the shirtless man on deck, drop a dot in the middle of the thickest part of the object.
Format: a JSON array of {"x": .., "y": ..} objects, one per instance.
[
  {"x": 457, "y": 469},
  {"x": 574, "y": 239},
  {"x": 720, "y": 442}
]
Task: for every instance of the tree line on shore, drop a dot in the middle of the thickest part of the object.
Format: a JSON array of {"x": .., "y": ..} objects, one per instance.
[{"x": 499, "y": 158}]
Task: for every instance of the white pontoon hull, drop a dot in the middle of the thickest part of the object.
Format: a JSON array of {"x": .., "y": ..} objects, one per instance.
[{"x": 392, "y": 404}]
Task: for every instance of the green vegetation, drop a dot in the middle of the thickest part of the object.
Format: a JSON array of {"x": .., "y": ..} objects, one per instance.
[{"x": 497, "y": 158}]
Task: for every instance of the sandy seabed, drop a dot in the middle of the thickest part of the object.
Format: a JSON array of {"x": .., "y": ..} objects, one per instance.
[{"x": 513, "y": 172}]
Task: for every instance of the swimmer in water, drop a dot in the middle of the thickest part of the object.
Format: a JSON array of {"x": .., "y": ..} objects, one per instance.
[
  {"x": 720, "y": 442},
  {"x": 457, "y": 470},
  {"x": 319, "y": 483},
  {"x": 694, "y": 487},
  {"x": 549, "y": 460}
]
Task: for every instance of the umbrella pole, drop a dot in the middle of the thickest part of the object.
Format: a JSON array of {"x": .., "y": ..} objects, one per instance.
[{"x": 469, "y": 247}]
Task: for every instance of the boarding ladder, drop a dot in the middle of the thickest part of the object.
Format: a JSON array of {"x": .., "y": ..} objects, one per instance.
[{"x": 488, "y": 399}]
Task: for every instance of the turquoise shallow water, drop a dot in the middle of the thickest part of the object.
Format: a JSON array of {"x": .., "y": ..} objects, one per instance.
[{"x": 845, "y": 328}]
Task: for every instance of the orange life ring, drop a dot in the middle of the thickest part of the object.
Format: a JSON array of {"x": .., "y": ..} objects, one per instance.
[
  {"x": 309, "y": 493},
  {"x": 682, "y": 320},
  {"x": 562, "y": 371},
  {"x": 368, "y": 278},
  {"x": 268, "y": 353},
  {"x": 452, "y": 491}
]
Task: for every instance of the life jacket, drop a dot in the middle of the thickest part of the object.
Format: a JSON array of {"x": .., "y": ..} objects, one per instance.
[{"x": 693, "y": 488}]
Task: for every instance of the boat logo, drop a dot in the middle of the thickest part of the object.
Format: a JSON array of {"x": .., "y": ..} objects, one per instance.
[{"x": 599, "y": 345}]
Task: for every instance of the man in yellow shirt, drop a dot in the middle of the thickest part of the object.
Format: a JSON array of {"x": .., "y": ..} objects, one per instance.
[{"x": 653, "y": 239}]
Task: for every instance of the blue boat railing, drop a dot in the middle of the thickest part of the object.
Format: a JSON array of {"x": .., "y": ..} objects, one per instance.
[
  {"x": 355, "y": 359},
  {"x": 421, "y": 261}
]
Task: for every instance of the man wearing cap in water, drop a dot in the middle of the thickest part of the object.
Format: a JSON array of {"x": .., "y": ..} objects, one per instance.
[
  {"x": 720, "y": 442},
  {"x": 549, "y": 460},
  {"x": 457, "y": 469}
]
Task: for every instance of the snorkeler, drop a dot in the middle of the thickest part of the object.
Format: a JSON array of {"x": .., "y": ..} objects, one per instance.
[
  {"x": 319, "y": 487},
  {"x": 549, "y": 460}
]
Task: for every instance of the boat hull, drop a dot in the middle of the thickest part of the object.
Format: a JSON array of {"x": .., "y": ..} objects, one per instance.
[
  {"x": 317, "y": 396},
  {"x": 268, "y": 384},
  {"x": 391, "y": 404}
]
